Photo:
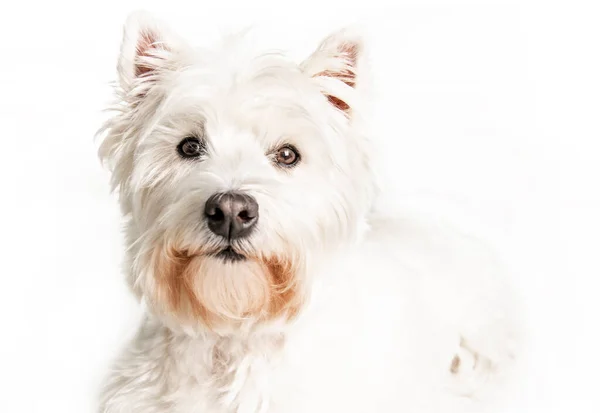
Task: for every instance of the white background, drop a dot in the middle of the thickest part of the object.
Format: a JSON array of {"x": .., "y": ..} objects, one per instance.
[{"x": 490, "y": 109}]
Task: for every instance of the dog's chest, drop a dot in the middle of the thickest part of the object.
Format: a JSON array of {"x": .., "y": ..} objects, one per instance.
[{"x": 228, "y": 377}]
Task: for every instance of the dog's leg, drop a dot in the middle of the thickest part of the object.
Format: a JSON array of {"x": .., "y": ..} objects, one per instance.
[
  {"x": 487, "y": 342},
  {"x": 138, "y": 380}
]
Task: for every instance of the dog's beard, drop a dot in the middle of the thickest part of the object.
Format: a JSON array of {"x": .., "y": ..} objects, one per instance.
[{"x": 201, "y": 286}]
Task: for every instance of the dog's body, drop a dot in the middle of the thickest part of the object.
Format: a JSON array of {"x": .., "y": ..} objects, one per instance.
[{"x": 263, "y": 297}]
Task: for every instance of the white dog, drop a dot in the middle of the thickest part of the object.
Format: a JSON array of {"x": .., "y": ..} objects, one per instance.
[{"x": 247, "y": 187}]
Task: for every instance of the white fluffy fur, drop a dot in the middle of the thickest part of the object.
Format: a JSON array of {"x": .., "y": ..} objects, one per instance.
[{"x": 392, "y": 315}]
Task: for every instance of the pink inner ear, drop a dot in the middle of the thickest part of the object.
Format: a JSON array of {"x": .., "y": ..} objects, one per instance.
[
  {"x": 146, "y": 42},
  {"x": 338, "y": 103},
  {"x": 349, "y": 52}
]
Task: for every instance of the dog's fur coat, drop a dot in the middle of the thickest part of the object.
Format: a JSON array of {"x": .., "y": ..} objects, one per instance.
[{"x": 334, "y": 308}]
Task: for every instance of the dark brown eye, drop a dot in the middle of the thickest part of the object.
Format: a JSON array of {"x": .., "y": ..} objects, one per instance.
[
  {"x": 190, "y": 147},
  {"x": 287, "y": 156}
]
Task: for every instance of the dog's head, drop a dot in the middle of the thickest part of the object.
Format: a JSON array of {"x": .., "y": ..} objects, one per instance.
[{"x": 238, "y": 172}]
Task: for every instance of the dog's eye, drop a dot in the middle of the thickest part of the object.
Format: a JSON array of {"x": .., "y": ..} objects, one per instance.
[
  {"x": 287, "y": 156},
  {"x": 190, "y": 147}
]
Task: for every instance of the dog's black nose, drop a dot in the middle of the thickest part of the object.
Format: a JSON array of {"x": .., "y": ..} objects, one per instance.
[{"x": 231, "y": 215}]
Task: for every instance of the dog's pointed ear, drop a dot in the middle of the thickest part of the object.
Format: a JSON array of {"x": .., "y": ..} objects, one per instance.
[
  {"x": 149, "y": 47},
  {"x": 337, "y": 67}
]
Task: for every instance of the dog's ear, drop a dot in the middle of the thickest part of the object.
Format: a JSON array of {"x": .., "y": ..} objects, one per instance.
[
  {"x": 337, "y": 67},
  {"x": 148, "y": 49}
]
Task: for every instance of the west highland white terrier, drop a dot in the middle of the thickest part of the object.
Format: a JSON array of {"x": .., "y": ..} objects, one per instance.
[{"x": 247, "y": 186}]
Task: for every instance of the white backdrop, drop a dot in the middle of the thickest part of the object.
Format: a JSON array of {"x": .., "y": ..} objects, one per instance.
[{"x": 485, "y": 109}]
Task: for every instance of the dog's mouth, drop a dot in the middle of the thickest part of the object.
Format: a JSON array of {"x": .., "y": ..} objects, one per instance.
[{"x": 229, "y": 254}]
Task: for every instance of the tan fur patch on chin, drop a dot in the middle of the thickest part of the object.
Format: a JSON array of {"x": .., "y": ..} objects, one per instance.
[
  {"x": 216, "y": 292},
  {"x": 284, "y": 290}
]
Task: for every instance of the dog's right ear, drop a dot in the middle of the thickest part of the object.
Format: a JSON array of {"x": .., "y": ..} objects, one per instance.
[{"x": 149, "y": 48}]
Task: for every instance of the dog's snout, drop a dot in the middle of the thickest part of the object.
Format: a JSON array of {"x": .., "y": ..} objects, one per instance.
[{"x": 231, "y": 215}]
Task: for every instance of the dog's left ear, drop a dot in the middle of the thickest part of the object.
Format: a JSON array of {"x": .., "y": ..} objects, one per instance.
[{"x": 337, "y": 66}]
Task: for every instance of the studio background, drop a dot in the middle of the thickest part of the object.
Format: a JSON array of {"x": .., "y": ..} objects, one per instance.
[{"x": 487, "y": 111}]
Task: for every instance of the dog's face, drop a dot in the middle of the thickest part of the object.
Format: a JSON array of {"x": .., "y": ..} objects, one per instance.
[{"x": 239, "y": 173}]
